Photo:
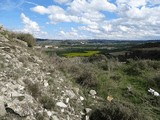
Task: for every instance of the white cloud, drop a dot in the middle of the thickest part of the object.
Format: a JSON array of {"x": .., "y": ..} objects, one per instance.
[
  {"x": 136, "y": 13},
  {"x": 137, "y": 3},
  {"x": 78, "y": 6},
  {"x": 90, "y": 29},
  {"x": 136, "y": 18},
  {"x": 31, "y": 27},
  {"x": 56, "y": 14},
  {"x": 10, "y": 4},
  {"x": 79, "y": 11},
  {"x": 102, "y": 5},
  {"x": 124, "y": 28},
  {"x": 107, "y": 27},
  {"x": 154, "y": 2},
  {"x": 62, "y": 1},
  {"x": 29, "y": 24},
  {"x": 94, "y": 15},
  {"x": 40, "y": 9},
  {"x": 72, "y": 34}
]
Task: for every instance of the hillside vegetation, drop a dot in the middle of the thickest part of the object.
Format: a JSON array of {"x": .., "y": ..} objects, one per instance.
[
  {"x": 127, "y": 83},
  {"x": 37, "y": 86},
  {"x": 31, "y": 87}
]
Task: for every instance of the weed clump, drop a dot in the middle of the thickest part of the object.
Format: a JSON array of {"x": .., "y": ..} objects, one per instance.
[
  {"x": 154, "y": 81},
  {"x": 116, "y": 111},
  {"x": 34, "y": 89},
  {"x": 87, "y": 79},
  {"x": 28, "y": 38},
  {"x": 48, "y": 102}
]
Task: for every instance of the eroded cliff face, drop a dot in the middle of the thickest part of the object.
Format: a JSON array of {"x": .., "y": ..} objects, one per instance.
[{"x": 31, "y": 88}]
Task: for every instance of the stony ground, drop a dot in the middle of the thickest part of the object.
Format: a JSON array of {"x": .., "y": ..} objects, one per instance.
[{"x": 31, "y": 88}]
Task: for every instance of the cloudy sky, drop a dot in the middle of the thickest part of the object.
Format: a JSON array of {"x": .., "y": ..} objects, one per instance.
[{"x": 83, "y": 19}]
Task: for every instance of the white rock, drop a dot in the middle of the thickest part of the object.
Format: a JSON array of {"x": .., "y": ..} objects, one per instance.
[
  {"x": 76, "y": 90},
  {"x": 55, "y": 118},
  {"x": 16, "y": 94},
  {"x": 48, "y": 73},
  {"x": 20, "y": 107},
  {"x": 21, "y": 41},
  {"x": 49, "y": 113},
  {"x": 61, "y": 79},
  {"x": 62, "y": 110},
  {"x": 46, "y": 84},
  {"x": 61, "y": 104},
  {"x": 87, "y": 117},
  {"x": 92, "y": 92},
  {"x": 88, "y": 110},
  {"x": 21, "y": 87},
  {"x": 68, "y": 118},
  {"x": 70, "y": 93},
  {"x": 82, "y": 113},
  {"x": 81, "y": 98},
  {"x": 67, "y": 100},
  {"x": 2, "y": 108},
  {"x": 155, "y": 93},
  {"x": 151, "y": 90}
]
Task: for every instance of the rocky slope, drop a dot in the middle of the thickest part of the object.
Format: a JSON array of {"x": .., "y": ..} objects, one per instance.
[{"x": 31, "y": 88}]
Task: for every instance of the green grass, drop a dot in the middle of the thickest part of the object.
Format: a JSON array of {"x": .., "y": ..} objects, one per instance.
[
  {"x": 116, "y": 80},
  {"x": 82, "y": 54}
]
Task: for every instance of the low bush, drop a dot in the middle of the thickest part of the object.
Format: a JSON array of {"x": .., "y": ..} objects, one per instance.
[
  {"x": 97, "y": 58},
  {"x": 34, "y": 89},
  {"x": 154, "y": 82},
  {"x": 48, "y": 102},
  {"x": 28, "y": 38},
  {"x": 116, "y": 111},
  {"x": 134, "y": 68},
  {"x": 87, "y": 79}
]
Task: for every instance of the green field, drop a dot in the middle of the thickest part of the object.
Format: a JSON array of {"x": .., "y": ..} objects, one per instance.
[
  {"x": 124, "y": 71},
  {"x": 81, "y": 54}
]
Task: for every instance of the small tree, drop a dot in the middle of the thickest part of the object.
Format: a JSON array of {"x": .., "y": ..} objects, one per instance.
[{"x": 28, "y": 38}]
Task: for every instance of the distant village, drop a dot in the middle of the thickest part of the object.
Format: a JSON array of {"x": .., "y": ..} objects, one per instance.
[{"x": 46, "y": 46}]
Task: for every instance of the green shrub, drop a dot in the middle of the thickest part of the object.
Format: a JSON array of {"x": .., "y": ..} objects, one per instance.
[
  {"x": 39, "y": 116},
  {"x": 116, "y": 111},
  {"x": 116, "y": 77},
  {"x": 97, "y": 58},
  {"x": 154, "y": 82},
  {"x": 28, "y": 38},
  {"x": 48, "y": 102},
  {"x": 34, "y": 89},
  {"x": 134, "y": 68},
  {"x": 12, "y": 35},
  {"x": 87, "y": 79}
]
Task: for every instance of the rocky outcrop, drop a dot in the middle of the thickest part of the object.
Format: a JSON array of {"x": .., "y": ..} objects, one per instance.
[
  {"x": 33, "y": 89},
  {"x": 2, "y": 110}
]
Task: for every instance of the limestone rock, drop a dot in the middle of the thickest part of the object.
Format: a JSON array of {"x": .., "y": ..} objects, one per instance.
[
  {"x": 81, "y": 98},
  {"x": 61, "y": 104},
  {"x": 70, "y": 93},
  {"x": 55, "y": 118},
  {"x": 21, "y": 42},
  {"x": 2, "y": 108},
  {"x": 30, "y": 85},
  {"x": 67, "y": 100},
  {"x": 92, "y": 92},
  {"x": 87, "y": 117},
  {"x": 87, "y": 110},
  {"x": 20, "y": 108},
  {"x": 46, "y": 84}
]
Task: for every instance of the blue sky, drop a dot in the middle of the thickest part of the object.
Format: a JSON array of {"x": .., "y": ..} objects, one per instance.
[{"x": 83, "y": 19}]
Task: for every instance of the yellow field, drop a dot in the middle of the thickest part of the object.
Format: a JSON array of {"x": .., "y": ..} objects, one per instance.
[{"x": 83, "y": 54}]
